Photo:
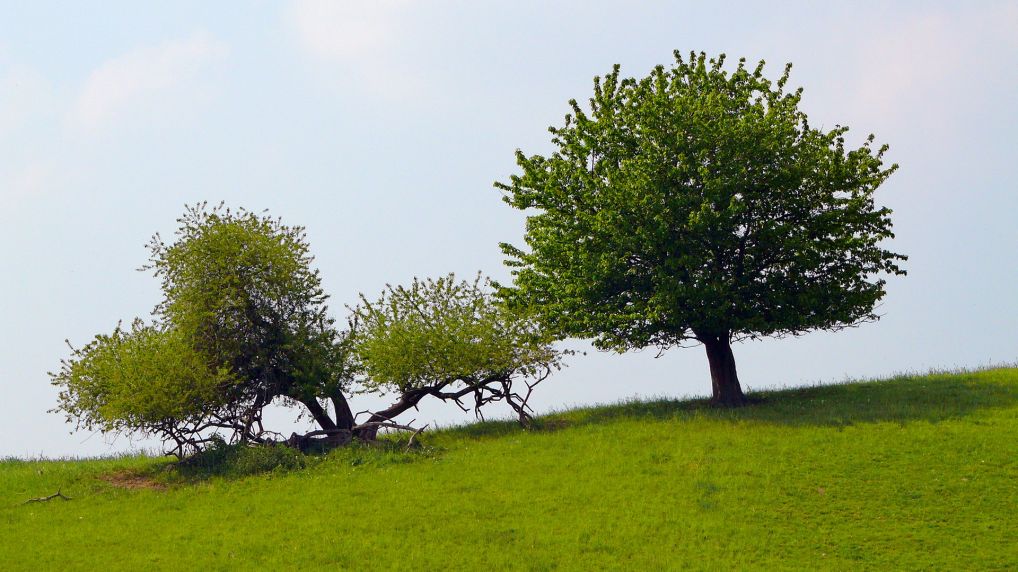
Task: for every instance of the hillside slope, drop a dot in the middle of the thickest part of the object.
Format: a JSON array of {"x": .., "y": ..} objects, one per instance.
[{"x": 909, "y": 473}]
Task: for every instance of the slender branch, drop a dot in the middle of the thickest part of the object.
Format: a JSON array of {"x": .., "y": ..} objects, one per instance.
[
  {"x": 388, "y": 424},
  {"x": 410, "y": 442},
  {"x": 55, "y": 495}
]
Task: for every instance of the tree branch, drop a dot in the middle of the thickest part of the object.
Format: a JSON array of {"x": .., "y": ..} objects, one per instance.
[{"x": 55, "y": 495}]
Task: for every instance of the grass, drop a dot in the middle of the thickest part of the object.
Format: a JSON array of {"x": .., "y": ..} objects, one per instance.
[{"x": 911, "y": 473}]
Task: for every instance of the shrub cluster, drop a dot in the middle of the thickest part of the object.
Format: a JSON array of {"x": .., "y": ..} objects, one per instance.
[
  {"x": 243, "y": 324},
  {"x": 695, "y": 205}
]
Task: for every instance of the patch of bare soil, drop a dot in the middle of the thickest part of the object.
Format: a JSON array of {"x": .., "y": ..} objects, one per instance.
[{"x": 132, "y": 480}]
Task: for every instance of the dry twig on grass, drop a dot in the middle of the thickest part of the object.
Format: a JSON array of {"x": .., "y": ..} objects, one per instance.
[{"x": 57, "y": 494}]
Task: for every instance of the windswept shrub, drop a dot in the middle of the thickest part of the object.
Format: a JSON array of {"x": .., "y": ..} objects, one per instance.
[
  {"x": 147, "y": 378},
  {"x": 453, "y": 341}
]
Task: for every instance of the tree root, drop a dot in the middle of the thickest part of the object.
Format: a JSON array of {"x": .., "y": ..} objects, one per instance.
[{"x": 338, "y": 437}]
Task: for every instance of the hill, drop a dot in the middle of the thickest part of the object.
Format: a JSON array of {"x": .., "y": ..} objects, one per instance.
[{"x": 914, "y": 472}]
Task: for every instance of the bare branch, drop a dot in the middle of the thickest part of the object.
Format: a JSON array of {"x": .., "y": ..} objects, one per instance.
[
  {"x": 410, "y": 442},
  {"x": 55, "y": 495}
]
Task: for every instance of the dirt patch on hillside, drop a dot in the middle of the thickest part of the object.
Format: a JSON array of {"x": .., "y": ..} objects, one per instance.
[{"x": 132, "y": 480}]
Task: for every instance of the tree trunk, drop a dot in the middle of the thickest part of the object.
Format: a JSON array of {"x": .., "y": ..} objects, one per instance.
[
  {"x": 406, "y": 401},
  {"x": 332, "y": 434},
  {"x": 344, "y": 416},
  {"x": 726, "y": 390},
  {"x": 321, "y": 417}
]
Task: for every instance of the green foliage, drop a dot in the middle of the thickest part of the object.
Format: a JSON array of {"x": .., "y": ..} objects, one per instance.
[
  {"x": 240, "y": 287},
  {"x": 243, "y": 321},
  {"x": 222, "y": 459},
  {"x": 438, "y": 331},
  {"x": 138, "y": 379},
  {"x": 699, "y": 203},
  {"x": 450, "y": 340},
  {"x": 912, "y": 473}
]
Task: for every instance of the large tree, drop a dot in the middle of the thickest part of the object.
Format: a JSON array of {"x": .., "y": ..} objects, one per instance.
[{"x": 698, "y": 204}]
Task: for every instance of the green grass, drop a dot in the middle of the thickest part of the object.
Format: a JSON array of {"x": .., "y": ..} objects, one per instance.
[{"x": 912, "y": 473}]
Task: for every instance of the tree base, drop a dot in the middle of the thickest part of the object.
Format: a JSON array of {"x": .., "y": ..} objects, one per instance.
[
  {"x": 319, "y": 443},
  {"x": 725, "y": 388},
  {"x": 730, "y": 401}
]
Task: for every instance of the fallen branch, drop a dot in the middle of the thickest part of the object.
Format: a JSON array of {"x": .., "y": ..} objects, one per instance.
[
  {"x": 57, "y": 494},
  {"x": 410, "y": 442},
  {"x": 386, "y": 424}
]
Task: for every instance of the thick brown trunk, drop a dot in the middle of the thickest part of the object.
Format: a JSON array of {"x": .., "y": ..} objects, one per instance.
[
  {"x": 725, "y": 386},
  {"x": 332, "y": 433},
  {"x": 407, "y": 400},
  {"x": 344, "y": 416},
  {"x": 319, "y": 413}
]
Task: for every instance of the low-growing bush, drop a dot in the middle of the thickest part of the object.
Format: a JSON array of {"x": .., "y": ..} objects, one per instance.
[
  {"x": 230, "y": 461},
  {"x": 221, "y": 459}
]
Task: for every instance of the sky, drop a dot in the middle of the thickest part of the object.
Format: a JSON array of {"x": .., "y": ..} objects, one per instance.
[{"x": 380, "y": 127}]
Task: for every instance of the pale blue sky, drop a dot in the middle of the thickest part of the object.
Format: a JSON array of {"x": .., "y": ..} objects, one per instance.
[{"x": 380, "y": 126}]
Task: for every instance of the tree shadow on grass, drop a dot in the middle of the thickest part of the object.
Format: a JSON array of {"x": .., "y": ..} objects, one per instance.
[
  {"x": 239, "y": 461},
  {"x": 902, "y": 399}
]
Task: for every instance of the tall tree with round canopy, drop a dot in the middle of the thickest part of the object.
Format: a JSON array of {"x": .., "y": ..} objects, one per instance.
[{"x": 699, "y": 205}]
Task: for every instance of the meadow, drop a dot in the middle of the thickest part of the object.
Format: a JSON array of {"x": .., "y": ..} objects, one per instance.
[{"x": 917, "y": 472}]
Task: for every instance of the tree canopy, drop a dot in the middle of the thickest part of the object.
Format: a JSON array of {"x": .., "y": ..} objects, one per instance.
[
  {"x": 241, "y": 287},
  {"x": 140, "y": 378},
  {"x": 699, "y": 204},
  {"x": 451, "y": 340},
  {"x": 243, "y": 322}
]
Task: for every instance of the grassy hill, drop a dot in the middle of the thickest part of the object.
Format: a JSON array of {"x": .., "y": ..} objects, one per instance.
[{"x": 909, "y": 473}]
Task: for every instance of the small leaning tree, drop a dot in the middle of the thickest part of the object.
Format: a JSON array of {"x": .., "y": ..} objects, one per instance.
[
  {"x": 450, "y": 340},
  {"x": 699, "y": 205}
]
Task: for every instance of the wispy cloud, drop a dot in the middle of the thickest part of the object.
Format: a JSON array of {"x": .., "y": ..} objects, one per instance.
[
  {"x": 346, "y": 30},
  {"x": 363, "y": 40},
  {"x": 27, "y": 101},
  {"x": 146, "y": 80}
]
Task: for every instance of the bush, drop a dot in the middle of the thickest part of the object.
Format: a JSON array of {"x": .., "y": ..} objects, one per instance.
[
  {"x": 220, "y": 459},
  {"x": 243, "y": 322},
  {"x": 450, "y": 339}
]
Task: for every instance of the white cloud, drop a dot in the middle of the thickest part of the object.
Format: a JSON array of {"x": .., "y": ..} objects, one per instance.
[
  {"x": 144, "y": 79},
  {"x": 26, "y": 118},
  {"x": 346, "y": 30},
  {"x": 362, "y": 39}
]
